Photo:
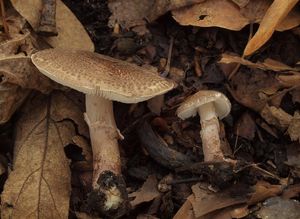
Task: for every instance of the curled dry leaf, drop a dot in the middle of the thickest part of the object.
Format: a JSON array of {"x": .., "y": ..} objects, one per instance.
[
  {"x": 226, "y": 14},
  {"x": 39, "y": 185},
  {"x": 132, "y": 13},
  {"x": 68, "y": 26},
  {"x": 274, "y": 15},
  {"x": 147, "y": 193},
  {"x": 268, "y": 64},
  {"x": 289, "y": 80},
  {"x": 294, "y": 127}
]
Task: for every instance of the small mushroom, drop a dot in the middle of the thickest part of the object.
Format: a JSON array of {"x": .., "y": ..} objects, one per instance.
[
  {"x": 103, "y": 79},
  {"x": 210, "y": 105}
]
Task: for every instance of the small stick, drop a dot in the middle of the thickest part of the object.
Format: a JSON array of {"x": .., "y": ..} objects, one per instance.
[
  {"x": 167, "y": 68},
  {"x": 47, "y": 25},
  {"x": 234, "y": 71},
  {"x": 3, "y": 16}
]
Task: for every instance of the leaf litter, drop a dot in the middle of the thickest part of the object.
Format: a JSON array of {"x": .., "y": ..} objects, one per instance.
[{"x": 262, "y": 129}]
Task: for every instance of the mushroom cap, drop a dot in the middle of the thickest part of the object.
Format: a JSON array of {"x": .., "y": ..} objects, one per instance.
[
  {"x": 96, "y": 74},
  {"x": 190, "y": 107}
]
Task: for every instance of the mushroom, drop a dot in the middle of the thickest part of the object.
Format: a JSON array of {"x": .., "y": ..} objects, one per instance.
[
  {"x": 210, "y": 105},
  {"x": 103, "y": 79}
]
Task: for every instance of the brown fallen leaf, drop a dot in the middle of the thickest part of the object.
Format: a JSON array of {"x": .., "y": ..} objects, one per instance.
[
  {"x": 245, "y": 127},
  {"x": 251, "y": 88},
  {"x": 186, "y": 210},
  {"x": 68, "y": 26},
  {"x": 147, "y": 193},
  {"x": 276, "y": 116},
  {"x": 17, "y": 73},
  {"x": 241, "y": 3},
  {"x": 294, "y": 127},
  {"x": 289, "y": 80},
  {"x": 156, "y": 104},
  {"x": 268, "y": 64},
  {"x": 18, "y": 76},
  {"x": 132, "y": 13},
  {"x": 226, "y": 14},
  {"x": 275, "y": 14},
  {"x": 39, "y": 185},
  {"x": 220, "y": 13},
  {"x": 205, "y": 202},
  {"x": 264, "y": 190}
]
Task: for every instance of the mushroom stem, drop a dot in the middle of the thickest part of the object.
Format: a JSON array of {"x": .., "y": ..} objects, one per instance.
[
  {"x": 210, "y": 133},
  {"x": 107, "y": 179}
]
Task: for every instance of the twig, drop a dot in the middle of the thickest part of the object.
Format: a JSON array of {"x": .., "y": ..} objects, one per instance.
[
  {"x": 47, "y": 25},
  {"x": 168, "y": 65},
  {"x": 236, "y": 68}
]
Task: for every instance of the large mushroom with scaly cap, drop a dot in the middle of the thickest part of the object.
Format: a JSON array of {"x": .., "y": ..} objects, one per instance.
[{"x": 103, "y": 79}]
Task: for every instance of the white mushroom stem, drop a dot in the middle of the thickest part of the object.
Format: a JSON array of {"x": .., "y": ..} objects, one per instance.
[
  {"x": 104, "y": 136},
  {"x": 210, "y": 133}
]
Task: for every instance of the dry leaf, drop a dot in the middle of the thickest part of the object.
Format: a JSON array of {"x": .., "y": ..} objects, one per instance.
[
  {"x": 11, "y": 97},
  {"x": 71, "y": 34},
  {"x": 205, "y": 202},
  {"x": 245, "y": 127},
  {"x": 83, "y": 215},
  {"x": 18, "y": 76},
  {"x": 39, "y": 185},
  {"x": 226, "y": 14},
  {"x": 20, "y": 71},
  {"x": 276, "y": 116},
  {"x": 249, "y": 87},
  {"x": 147, "y": 193},
  {"x": 294, "y": 127},
  {"x": 262, "y": 191},
  {"x": 274, "y": 15},
  {"x": 132, "y": 13},
  {"x": 241, "y": 3},
  {"x": 289, "y": 80},
  {"x": 186, "y": 210},
  {"x": 155, "y": 104},
  {"x": 220, "y": 13},
  {"x": 268, "y": 64}
]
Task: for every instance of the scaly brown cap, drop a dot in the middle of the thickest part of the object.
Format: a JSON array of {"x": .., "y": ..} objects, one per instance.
[
  {"x": 189, "y": 107},
  {"x": 93, "y": 73}
]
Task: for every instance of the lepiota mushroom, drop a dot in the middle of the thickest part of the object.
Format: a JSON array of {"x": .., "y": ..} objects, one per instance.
[
  {"x": 103, "y": 79},
  {"x": 209, "y": 105}
]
